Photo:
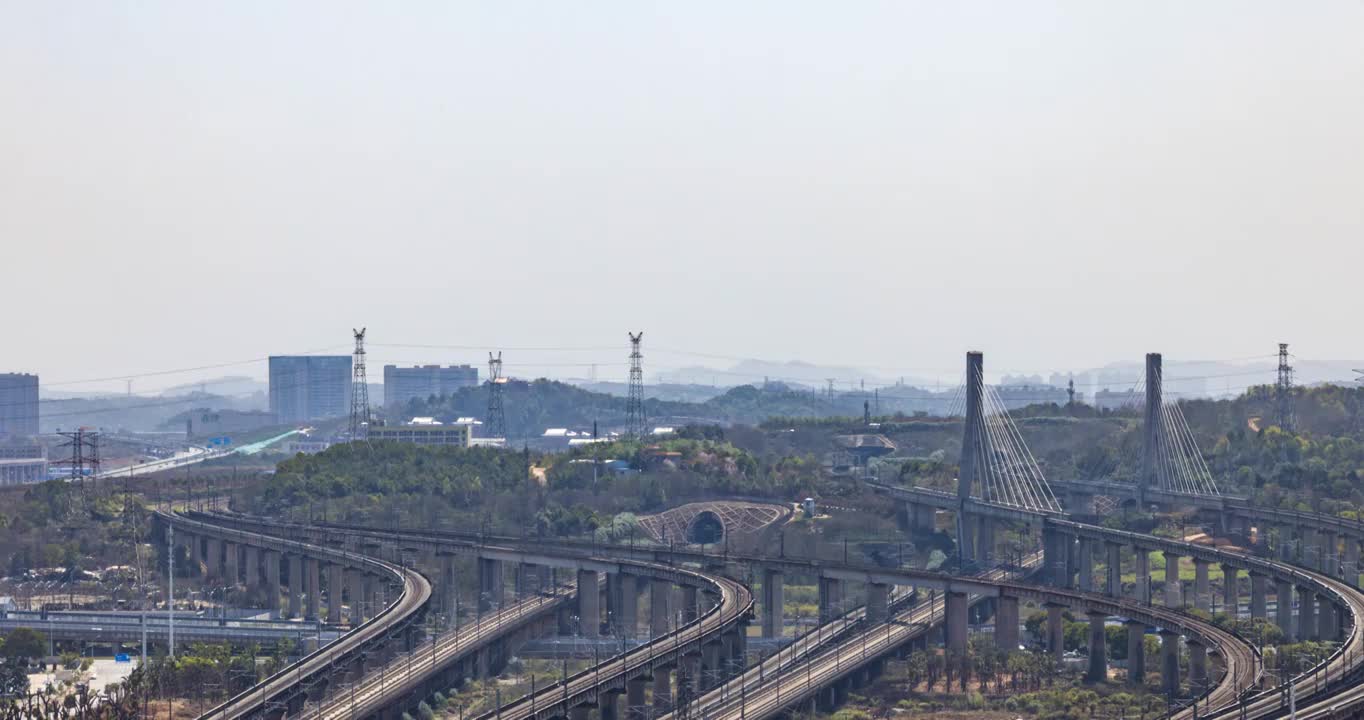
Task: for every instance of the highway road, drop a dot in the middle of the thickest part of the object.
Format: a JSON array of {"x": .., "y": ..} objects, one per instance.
[{"x": 193, "y": 455}]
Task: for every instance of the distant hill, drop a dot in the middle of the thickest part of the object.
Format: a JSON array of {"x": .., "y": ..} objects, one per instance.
[
  {"x": 658, "y": 391},
  {"x": 533, "y": 406}
]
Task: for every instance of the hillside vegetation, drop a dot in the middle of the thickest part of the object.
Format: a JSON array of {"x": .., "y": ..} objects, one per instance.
[
  {"x": 521, "y": 491},
  {"x": 533, "y": 406}
]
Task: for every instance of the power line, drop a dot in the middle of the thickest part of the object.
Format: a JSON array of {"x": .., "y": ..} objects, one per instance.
[{"x": 176, "y": 371}]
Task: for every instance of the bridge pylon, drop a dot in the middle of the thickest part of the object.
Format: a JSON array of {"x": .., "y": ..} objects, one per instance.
[
  {"x": 1153, "y": 429},
  {"x": 972, "y": 450}
]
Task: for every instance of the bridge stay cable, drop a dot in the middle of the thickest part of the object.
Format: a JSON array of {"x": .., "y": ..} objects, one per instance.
[{"x": 1008, "y": 473}]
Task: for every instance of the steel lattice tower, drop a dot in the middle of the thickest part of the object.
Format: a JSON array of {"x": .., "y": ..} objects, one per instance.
[
  {"x": 634, "y": 406},
  {"x": 1283, "y": 391},
  {"x": 496, "y": 423},
  {"x": 359, "y": 392},
  {"x": 80, "y": 441}
]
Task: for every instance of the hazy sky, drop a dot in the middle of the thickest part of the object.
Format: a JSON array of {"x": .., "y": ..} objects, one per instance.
[{"x": 883, "y": 184}]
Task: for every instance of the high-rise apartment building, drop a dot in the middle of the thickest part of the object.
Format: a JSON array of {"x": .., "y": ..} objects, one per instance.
[
  {"x": 402, "y": 384},
  {"x": 309, "y": 387},
  {"x": 18, "y": 404}
]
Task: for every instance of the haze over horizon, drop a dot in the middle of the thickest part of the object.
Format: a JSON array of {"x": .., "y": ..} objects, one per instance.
[{"x": 883, "y": 185}]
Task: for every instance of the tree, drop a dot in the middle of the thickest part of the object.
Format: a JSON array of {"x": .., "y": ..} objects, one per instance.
[
  {"x": 13, "y": 680},
  {"x": 25, "y": 644}
]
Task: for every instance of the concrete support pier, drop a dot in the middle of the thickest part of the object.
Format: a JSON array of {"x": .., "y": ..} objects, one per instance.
[
  {"x": 357, "y": 597},
  {"x": 1231, "y": 590},
  {"x": 1169, "y": 663},
  {"x": 1006, "y": 624},
  {"x": 830, "y": 599},
  {"x": 448, "y": 586},
  {"x": 773, "y": 601},
  {"x": 1086, "y": 582},
  {"x": 1258, "y": 605},
  {"x": 1351, "y": 562},
  {"x": 1202, "y": 590},
  {"x": 272, "y": 559},
  {"x": 1283, "y": 607},
  {"x": 955, "y": 627},
  {"x": 1136, "y": 653},
  {"x": 1198, "y": 663},
  {"x": 335, "y": 582},
  {"x": 1056, "y": 631},
  {"x": 1141, "y": 561},
  {"x": 878, "y": 600},
  {"x": 313, "y": 580},
  {"x": 1173, "y": 596},
  {"x": 1098, "y": 648},
  {"x": 663, "y": 694},
  {"x": 253, "y": 576},
  {"x": 295, "y": 585},
  {"x": 690, "y": 608},
  {"x": 490, "y": 585},
  {"x": 660, "y": 614},
  {"x": 231, "y": 568},
  {"x": 1113, "y": 573},
  {"x": 635, "y": 706},
  {"x": 589, "y": 604},
  {"x": 1307, "y": 614}
]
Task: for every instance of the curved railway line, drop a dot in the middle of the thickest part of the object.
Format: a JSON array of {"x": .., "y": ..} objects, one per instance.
[
  {"x": 1242, "y": 664},
  {"x": 1227, "y": 698},
  {"x": 405, "y": 674},
  {"x": 279, "y": 689}
]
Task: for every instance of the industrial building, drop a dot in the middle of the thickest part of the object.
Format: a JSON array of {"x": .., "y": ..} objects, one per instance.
[
  {"x": 309, "y": 387},
  {"x": 18, "y": 404},
  {"x": 423, "y": 431},
  {"x": 1014, "y": 397},
  {"x": 22, "y": 464},
  {"x": 1118, "y": 399},
  {"x": 403, "y": 384}
]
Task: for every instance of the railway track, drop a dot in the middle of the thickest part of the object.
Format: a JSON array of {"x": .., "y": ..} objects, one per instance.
[
  {"x": 735, "y": 603},
  {"x": 406, "y": 673},
  {"x": 1223, "y": 700},
  {"x": 921, "y": 615},
  {"x": 275, "y": 694}
]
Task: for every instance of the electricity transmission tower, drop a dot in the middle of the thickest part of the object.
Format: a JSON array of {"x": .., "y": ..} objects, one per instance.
[
  {"x": 359, "y": 392},
  {"x": 1283, "y": 391},
  {"x": 496, "y": 423},
  {"x": 634, "y": 405},
  {"x": 80, "y": 441}
]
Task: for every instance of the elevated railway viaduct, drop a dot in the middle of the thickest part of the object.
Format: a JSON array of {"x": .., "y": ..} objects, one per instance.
[{"x": 1331, "y": 605}]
